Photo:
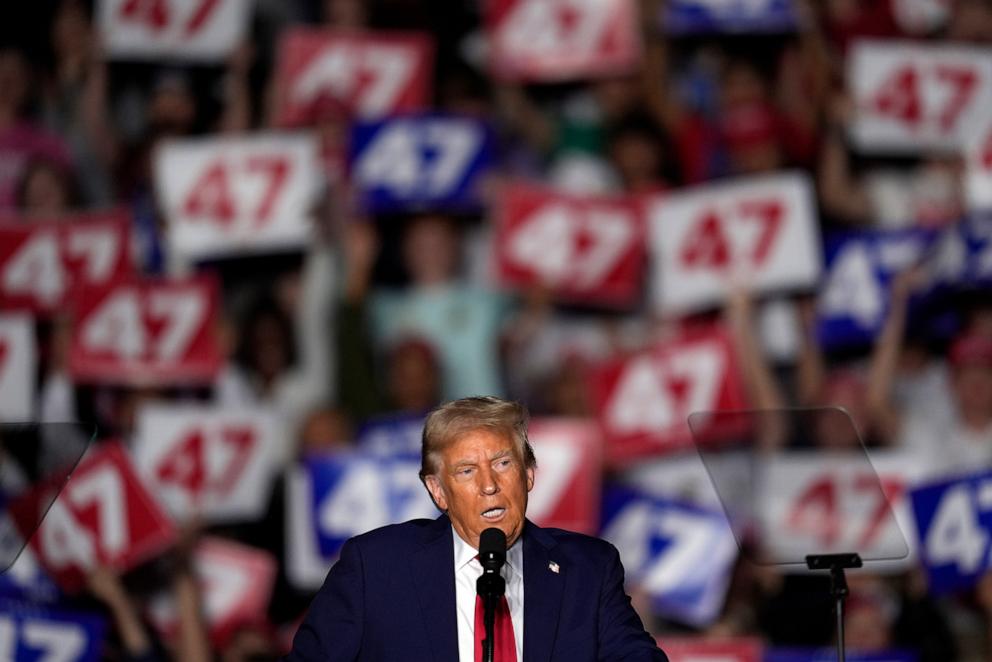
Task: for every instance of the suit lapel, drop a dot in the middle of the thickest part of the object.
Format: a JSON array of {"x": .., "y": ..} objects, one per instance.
[
  {"x": 542, "y": 594},
  {"x": 432, "y": 567}
]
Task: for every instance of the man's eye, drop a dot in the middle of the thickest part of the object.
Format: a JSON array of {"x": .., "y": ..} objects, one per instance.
[
  {"x": 464, "y": 472},
  {"x": 502, "y": 464}
]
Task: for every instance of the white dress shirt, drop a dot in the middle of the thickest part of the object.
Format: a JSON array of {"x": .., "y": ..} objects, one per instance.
[{"x": 467, "y": 571}]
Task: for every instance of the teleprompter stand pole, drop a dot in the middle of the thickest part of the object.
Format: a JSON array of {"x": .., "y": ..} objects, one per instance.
[{"x": 836, "y": 564}]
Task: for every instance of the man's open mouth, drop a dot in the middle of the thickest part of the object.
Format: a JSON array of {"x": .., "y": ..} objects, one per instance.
[{"x": 494, "y": 513}]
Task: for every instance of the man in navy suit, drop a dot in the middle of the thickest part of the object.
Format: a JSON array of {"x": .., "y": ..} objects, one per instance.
[{"x": 407, "y": 591}]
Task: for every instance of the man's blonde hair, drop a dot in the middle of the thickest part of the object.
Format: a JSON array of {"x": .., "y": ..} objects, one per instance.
[{"x": 447, "y": 423}]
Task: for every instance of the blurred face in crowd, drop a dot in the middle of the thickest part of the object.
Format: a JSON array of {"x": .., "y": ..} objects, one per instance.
[
  {"x": 345, "y": 13},
  {"x": 482, "y": 482},
  {"x": 638, "y": 160},
  {"x": 44, "y": 191},
  {"x": 972, "y": 384},
  {"x": 430, "y": 250},
  {"x": 413, "y": 377},
  {"x": 171, "y": 108},
  {"x": 323, "y": 430},
  {"x": 867, "y": 626},
  {"x": 741, "y": 85},
  {"x": 13, "y": 80},
  {"x": 70, "y": 30},
  {"x": 269, "y": 351},
  {"x": 617, "y": 96}
]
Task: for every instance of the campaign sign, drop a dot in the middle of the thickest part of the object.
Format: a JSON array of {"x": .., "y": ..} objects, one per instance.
[
  {"x": 18, "y": 367},
  {"x": 829, "y": 654},
  {"x": 332, "y": 497},
  {"x": 368, "y": 74},
  {"x": 833, "y": 502},
  {"x": 961, "y": 256},
  {"x": 392, "y": 435},
  {"x": 154, "y": 331},
  {"x": 556, "y": 40},
  {"x": 760, "y": 232},
  {"x": 30, "y": 632},
  {"x": 680, "y": 554},
  {"x": 910, "y": 97},
  {"x": 567, "y": 488},
  {"x": 103, "y": 516},
  {"x": 584, "y": 249},
  {"x": 417, "y": 162},
  {"x": 190, "y": 30},
  {"x": 954, "y": 525},
  {"x": 43, "y": 262},
  {"x": 978, "y": 170},
  {"x": 211, "y": 464},
  {"x": 235, "y": 583},
  {"x": 643, "y": 401},
  {"x": 853, "y": 300},
  {"x": 229, "y": 196},
  {"x": 685, "y": 17},
  {"x": 354, "y": 493},
  {"x": 692, "y": 649}
]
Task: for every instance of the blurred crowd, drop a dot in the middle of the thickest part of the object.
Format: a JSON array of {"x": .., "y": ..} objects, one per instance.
[{"x": 387, "y": 316}]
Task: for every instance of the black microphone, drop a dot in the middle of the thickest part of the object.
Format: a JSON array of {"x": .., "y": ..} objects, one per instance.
[
  {"x": 490, "y": 586},
  {"x": 492, "y": 549}
]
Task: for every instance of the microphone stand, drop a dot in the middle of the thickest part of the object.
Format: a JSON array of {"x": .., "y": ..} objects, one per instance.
[{"x": 491, "y": 586}]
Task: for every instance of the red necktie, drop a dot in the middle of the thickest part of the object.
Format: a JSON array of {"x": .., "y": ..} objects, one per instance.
[{"x": 505, "y": 649}]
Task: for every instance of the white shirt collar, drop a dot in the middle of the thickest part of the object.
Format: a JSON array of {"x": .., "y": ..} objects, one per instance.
[{"x": 465, "y": 553}]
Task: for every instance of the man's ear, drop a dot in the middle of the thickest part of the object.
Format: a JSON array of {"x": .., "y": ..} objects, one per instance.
[
  {"x": 436, "y": 491},
  {"x": 530, "y": 478}
]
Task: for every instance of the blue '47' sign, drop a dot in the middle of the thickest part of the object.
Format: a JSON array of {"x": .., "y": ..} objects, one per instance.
[
  {"x": 29, "y": 632},
  {"x": 418, "y": 163},
  {"x": 854, "y": 298},
  {"x": 954, "y": 522},
  {"x": 680, "y": 554},
  {"x": 705, "y": 16},
  {"x": 356, "y": 492}
]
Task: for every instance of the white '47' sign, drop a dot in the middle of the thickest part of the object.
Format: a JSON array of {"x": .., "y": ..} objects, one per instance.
[
  {"x": 759, "y": 231},
  {"x": 910, "y": 97},
  {"x": 225, "y": 196},
  {"x": 195, "y": 30},
  {"x": 214, "y": 463}
]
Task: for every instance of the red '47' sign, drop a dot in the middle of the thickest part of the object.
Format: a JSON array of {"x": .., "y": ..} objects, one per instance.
[
  {"x": 229, "y": 196},
  {"x": 42, "y": 263},
  {"x": 103, "y": 516},
  {"x": 757, "y": 232},
  {"x": 200, "y": 30},
  {"x": 214, "y": 463},
  {"x": 566, "y": 492},
  {"x": 235, "y": 584},
  {"x": 149, "y": 331},
  {"x": 910, "y": 97},
  {"x": 584, "y": 249},
  {"x": 643, "y": 402},
  {"x": 547, "y": 40},
  {"x": 369, "y": 74}
]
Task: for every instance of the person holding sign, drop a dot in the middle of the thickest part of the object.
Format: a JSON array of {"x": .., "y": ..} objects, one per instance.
[{"x": 408, "y": 591}]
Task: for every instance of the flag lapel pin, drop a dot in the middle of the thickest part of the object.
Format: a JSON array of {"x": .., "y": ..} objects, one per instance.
[{"x": 554, "y": 567}]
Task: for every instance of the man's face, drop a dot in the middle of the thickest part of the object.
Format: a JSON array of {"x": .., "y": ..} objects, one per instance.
[{"x": 481, "y": 483}]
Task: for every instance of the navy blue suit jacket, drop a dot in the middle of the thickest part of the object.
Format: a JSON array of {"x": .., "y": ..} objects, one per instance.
[{"x": 391, "y": 596}]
